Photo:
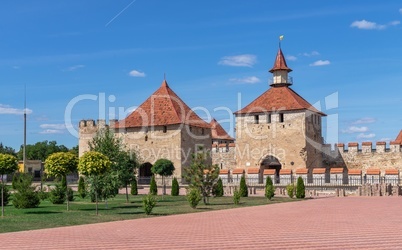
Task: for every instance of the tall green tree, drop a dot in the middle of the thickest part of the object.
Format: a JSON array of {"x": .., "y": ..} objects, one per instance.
[
  {"x": 41, "y": 150},
  {"x": 201, "y": 175},
  {"x": 8, "y": 165},
  {"x": 243, "y": 187},
  {"x": 123, "y": 162},
  {"x": 164, "y": 168},
  {"x": 60, "y": 165},
  {"x": 269, "y": 188},
  {"x": 94, "y": 164},
  {"x": 7, "y": 150},
  {"x": 300, "y": 188}
]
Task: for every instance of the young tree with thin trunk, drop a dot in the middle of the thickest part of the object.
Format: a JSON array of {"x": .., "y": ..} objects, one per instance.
[
  {"x": 164, "y": 168},
  {"x": 60, "y": 165},
  {"x": 8, "y": 165}
]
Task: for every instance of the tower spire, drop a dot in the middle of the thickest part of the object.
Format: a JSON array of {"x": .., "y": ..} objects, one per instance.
[{"x": 280, "y": 69}]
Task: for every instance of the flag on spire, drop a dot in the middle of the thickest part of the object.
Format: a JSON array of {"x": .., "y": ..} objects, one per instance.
[{"x": 281, "y": 37}]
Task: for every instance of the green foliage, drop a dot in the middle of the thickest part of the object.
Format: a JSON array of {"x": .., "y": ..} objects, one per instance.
[
  {"x": 8, "y": 164},
  {"x": 134, "y": 187},
  {"x": 6, "y": 194},
  {"x": 60, "y": 164},
  {"x": 218, "y": 188},
  {"x": 41, "y": 150},
  {"x": 193, "y": 197},
  {"x": 43, "y": 195},
  {"x": 58, "y": 194},
  {"x": 148, "y": 203},
  {"x": 236, "y": 197},
  {"x": 269, "y": 188},
  {"x": 163, "y": 167},
  {"x": 153, "y": 188},
  {"x": 25, "y": 197},
  {"x": 93, "y": 163},
  {"x": 290, "y": 189},
  {"x": 7, "y": 150},
  {"x": 243, "y": 187},
  {"x": 300, "y": 189},
  {"x": 82, "y": 188},
  {"x": 175, "y": 187},
  {"x": 201, "y": 175}
]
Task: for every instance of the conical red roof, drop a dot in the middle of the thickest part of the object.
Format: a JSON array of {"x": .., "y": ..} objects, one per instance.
[
  {"x": 280, "y": 63},
  {"x": 398, "y": 139},
  {"x": 217, "y": 132},
  {"x": 164, "y": 107},
  {"x": 278, "y": 99}
]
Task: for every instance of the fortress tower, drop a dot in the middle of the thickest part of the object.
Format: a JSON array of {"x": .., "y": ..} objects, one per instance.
[{"x": 279, "y": 129}]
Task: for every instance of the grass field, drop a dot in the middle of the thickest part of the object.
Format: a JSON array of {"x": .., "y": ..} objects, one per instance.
[{"x": 82, "y": 211}]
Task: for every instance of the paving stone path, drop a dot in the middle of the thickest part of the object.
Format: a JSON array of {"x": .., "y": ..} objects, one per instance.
[{"x": 327, "y": 223}]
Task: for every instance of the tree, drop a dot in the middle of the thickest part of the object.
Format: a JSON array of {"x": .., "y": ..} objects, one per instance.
[
  {"x": 163, "y": 167},
  {"x": 8, "y": 165},
  {"x": 7, "y": 150},
  {"x": 94, "y": 164},
  {"x": 201, "y": 175},
  {"x": 153, "y": 188},
  {"x": 25, "y": 197},
  {"x": 60, "y": 165},
  {"x": 41, "y": 150},
  {"x": 82, "y": 188},
  {"x": 123, "y": 163},
  {"x": 175, "y": 187},
  {"x": 300, "y": 189},
  {"x": 243, "y": 187},
  {"x": 193, "y": 196},
  {"x": 269, "y": 188},
  {"x": 218, "y": 188},
  {"x": 134, "y": 188}
]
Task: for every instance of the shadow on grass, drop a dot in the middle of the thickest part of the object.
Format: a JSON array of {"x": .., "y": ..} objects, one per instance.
[
  {"x": 138, "y": 212},
  {"x": 125, "y": 207},
  {"x": 42, "y": 212}
]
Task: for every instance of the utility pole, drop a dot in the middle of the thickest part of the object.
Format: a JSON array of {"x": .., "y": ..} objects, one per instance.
[{"x": 24, "y": 156}]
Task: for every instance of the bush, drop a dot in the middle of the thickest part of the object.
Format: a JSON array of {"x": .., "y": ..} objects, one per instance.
[
  {"x": 6, "y": 194},
  {"x": 134, "y": 187},
  {"x": 218, "y": 188},
  {"x": 153, "y": 189},
  {"x": 25, "y": 197},
  {"x": 290, "y": 189},
  {"x": 70, "y": 194},
  {"x": 269, "y": 188},
  {"x": 43, "y": 195},
  {"x": 58, "y": 194},
  {"x": 193, "y": 197},
  {"x": 236, "y": 197},
  {"x": 82, "y": 188},
  {"x": 175, "y": 187},
  {"x": 148, "y": 203},
  {"x": 243, "y": 187},
  {"x": 300, "y": 189}
]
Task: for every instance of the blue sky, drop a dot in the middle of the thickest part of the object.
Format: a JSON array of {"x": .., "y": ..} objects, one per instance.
[{"x": 345, "y": 55}]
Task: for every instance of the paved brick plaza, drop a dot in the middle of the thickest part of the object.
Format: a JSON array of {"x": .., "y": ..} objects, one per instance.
[{"x": 327, "y": 223}]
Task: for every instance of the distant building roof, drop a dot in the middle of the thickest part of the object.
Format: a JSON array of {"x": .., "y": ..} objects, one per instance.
[
  {"x": 163, "y": 107},
  {"x": 218, "y": 132}
]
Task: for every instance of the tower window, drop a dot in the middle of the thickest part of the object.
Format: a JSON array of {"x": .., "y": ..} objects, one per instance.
[
  {"x": 281, "y": 118},
  {"x": 164, "y": 129},
  {"x": 202, "y": 131},
  {"x": 256, "y": 119},
  {"x": 269, "y": 118}
]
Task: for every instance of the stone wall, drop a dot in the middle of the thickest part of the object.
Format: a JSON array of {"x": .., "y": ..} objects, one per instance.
[{"x": 224, "y": 156}]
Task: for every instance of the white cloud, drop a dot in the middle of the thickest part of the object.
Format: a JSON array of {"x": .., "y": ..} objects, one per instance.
[
  {"x": 51, "y": 131},
  {"x": 364, "y": 120},
  {"x": 320, "y": 63},
  {"x": 53, "y": 126},
  {"x": 136, "y": 73},
  {"x": 75, "y": 67},
  {"x": 365, "y": 136},
  {"x": 394, "y": 23},
  {"x": 8, "y": 110},
  {"x": 246, "y": 60},
  {"x": 400, "y": 10},
  {"x": 291, "y": 58},
  {"x": 354, "y": 129},
  {"x": 248, "y": 79},
  {"x": 313, "y": 53},
  {"x": 366, "y": 25}
]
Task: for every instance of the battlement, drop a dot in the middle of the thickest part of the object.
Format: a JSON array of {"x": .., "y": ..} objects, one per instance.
[
  {"x": 367, "y": 147},
  {"x": 100, "y": 123},
  {"x": 223, "y": 147}
]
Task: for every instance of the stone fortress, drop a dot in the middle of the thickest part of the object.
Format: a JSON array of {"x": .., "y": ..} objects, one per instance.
[{"x": 278, "y": 134}]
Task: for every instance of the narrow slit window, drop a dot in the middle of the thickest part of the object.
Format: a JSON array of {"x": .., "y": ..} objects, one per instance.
[
  {"x": 164, "y": 129},
  {"x": 269, "y": 118},
  {"x": 256, "y": 119},
  {"x": 281, "y": 118}
]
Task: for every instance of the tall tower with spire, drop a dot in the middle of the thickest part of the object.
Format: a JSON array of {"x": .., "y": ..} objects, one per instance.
[{"x": 279, "y": 129}]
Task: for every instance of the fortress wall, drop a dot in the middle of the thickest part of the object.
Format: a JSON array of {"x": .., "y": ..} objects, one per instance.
[{"x": 224, "y": 156}]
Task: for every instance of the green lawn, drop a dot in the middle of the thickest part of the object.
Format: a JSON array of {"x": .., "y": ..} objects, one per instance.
[{"x": 81, "y": 211}]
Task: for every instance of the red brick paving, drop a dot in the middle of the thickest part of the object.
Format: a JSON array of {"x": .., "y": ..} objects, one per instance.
[{"x": 328, "y": 223}]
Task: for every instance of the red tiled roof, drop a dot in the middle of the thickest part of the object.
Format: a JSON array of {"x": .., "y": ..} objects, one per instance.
[
  {"x": 280, "y": 63},
  {"x": 238, "y": 171},
  {"x": 285, "y": 171},
  {"x": 276, "y": 99},
  {"x": 319, "y": 171},
  {"x": 336, "y": 170},
  {"x": 253, "y": 171},
  {"x": 218, "y": 132},
  {"x": 353, "y": 144},
  {"x": 162, "y": 108},
  {"x": 391, "y": 171},
  {"x": 354, "y": 171},
  {"x": 367, "y": 143},
  {"x": 269, "y": 172},
  {"x": 224, "y": 171},
  {"x": 373, "y": 171},
  {"x": 381, "y": 143},
  {"x": 302, "y": 171},
  {"x": 340, "y": 145},
  {"x": 398, "y": 139}
]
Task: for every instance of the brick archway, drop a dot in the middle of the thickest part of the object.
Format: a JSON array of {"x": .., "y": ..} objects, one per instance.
[
  {"x": 145, "y": 173},
  {"x": 270, "y": 162}
]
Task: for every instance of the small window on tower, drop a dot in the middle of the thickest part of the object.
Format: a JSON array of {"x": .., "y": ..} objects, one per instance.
[
  {"x": 164, "y": 129},
  {"x": 281, "y": 118},
  {"x": 269, "y": 118},
  {"x": 202, "y": 131},
  {"x": 256, "y": 119}
]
